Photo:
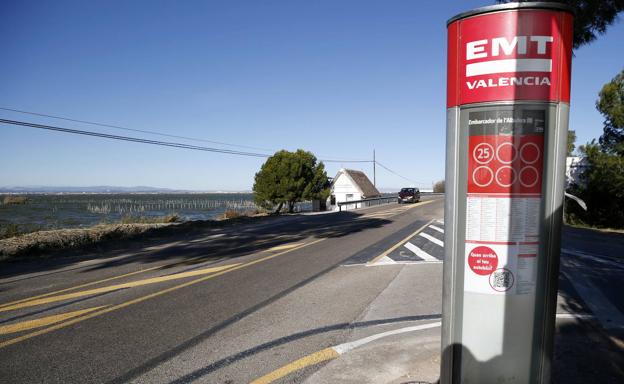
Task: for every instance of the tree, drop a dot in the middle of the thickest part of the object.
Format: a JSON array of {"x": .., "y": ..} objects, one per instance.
[
  {"x": 289, "y": 177},
  {"x": 611, "y": 105},
  {"x": 571, "y": 140},
  {"x": 602, "y": 189},
  {"x": 591, "y": 17},
  {"x": 438, "y": 186},
  {"x": 601, "y": 184}
]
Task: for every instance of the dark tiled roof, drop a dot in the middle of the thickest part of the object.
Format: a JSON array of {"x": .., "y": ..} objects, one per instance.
[{"x": 362, "y": 181}]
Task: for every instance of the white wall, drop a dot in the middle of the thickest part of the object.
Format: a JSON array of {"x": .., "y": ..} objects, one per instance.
[
  {"x": 342, "y": 187},
  {"x": 574, "y": 167}
]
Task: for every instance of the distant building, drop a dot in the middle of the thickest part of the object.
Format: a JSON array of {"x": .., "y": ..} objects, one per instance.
[
  {"x": 575, "y": 166},
  {"x": 351, "y": 185}
]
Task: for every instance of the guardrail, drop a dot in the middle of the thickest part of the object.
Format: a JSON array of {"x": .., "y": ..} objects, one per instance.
[
  {"x": 375, "y": 201},
  {"x": 364, "y": 203}
]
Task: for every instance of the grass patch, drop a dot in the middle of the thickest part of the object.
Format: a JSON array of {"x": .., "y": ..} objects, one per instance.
[
  {"x": 15, "y": 200},
  {"x": 234, "y": 214},
  {"x": 48, "y": 242},
  {"x": 130, "y": 219},
  {"x": 582, "y": 225},
  {"x": 12, "y": 230}
]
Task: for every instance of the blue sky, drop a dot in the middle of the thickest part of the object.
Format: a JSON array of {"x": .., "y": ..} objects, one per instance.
[{"x": 338, "y": 78}]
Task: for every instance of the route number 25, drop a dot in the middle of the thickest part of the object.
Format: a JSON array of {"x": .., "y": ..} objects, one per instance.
[{"x": 483, "y": 153}]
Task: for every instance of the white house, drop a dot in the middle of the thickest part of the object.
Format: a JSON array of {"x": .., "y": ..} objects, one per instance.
[
  {"x": 575, "y": 166},
  {"x": 351, "y": 185}
]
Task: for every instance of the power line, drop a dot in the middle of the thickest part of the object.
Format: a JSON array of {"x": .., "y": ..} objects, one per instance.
[
  {"x": 165, "y": 134},
  {"x": 401, "y": 176},
  {"x": 178, "y": 145},
  {"x": 133, "y": 129},
  {"x": 148, "y": 141},
  {"x": 132, "y": 139},
  {"x": 345, "y": 161}
]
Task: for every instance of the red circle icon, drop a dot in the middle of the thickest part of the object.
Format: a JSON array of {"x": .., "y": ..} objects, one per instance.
[
  {"x": 505, "y": 176},
  {"x": 506, "y": 153},
  {"x": 483, "y": 153},
  {"x": 530, "y": 153},
  {"x": 482, "y": 176},
  {"x": 482, "y": 260},
  {"x": 529, "y": 176}
]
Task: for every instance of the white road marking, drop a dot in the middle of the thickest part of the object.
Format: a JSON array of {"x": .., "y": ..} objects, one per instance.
[
  {"x": 419, "y": 252},
  {"x": 432, "y": 239},
  {"x": 405, "y": 262},
  {"x": 437, "y": 228},
  {"x": 402, "y": 262},
  {"x": 578, "y": 316},
  {"x": 439, "y": 221},
  {"x": 385, "y": 261},
  {"x": 346, "y": 347}
]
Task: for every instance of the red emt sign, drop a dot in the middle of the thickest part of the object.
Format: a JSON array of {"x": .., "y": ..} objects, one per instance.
[{"x": 520, "y": 55}]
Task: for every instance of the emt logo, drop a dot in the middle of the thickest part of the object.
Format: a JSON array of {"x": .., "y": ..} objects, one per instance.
[{"x": 516, "y": 47}]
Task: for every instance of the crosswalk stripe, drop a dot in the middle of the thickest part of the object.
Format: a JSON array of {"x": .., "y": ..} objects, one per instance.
[
  {"x": 437, "y": 228},
  {"x": 432, "y": 239},
  {"x": 419, "y": 252},
  {"x": 385, "y": 261}
]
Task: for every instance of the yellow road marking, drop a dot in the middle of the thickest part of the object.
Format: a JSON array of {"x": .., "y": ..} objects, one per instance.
[
  {"x": 28, "y": 299},
  {"x": 119, "y": 277},
  {"x": 146, "y": 297},
  {"x": 110, "y": 288},
  {"x": 76, "y": 287},
  {"x": 312, "y": 359},
  {"x": 397, "y": 245},
  {"x": 285, "y": 246},
  {"x": 44, "y": 321}
]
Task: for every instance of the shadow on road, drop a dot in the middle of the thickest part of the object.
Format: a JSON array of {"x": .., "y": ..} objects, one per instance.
[
  {"x": 192, "y": 244},
  {"x": 585, "y": 351},
  {"x": 224, "y": 362}
]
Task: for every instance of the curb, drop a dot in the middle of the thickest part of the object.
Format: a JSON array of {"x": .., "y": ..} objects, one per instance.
[{"x": 334, "y": 352}]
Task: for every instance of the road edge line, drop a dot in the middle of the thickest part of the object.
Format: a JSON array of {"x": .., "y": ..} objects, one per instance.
[{"x": 334, "y": 352}]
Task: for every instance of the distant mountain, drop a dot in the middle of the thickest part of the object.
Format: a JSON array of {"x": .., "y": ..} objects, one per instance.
[{"x": 93, "y": 189}]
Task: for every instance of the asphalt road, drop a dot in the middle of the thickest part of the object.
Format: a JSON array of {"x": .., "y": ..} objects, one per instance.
[
  {"x": 234, "y": 304},
  {"x": 160, "y": 314}
]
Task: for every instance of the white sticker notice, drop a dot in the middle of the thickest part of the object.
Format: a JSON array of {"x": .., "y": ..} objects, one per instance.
[{"x": 501, "y": 269}]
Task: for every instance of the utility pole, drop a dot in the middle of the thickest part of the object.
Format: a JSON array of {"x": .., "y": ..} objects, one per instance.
[{"x": 374, "y": 170}]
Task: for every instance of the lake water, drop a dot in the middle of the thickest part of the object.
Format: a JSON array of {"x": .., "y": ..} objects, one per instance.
[{"x": 83, "y": 210}]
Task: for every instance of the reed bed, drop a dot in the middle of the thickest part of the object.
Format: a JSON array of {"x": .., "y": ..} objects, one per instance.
[{"x": 129, "y": 206}]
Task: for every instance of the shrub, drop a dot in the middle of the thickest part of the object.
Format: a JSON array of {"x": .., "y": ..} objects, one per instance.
[
  {"x": 15, "y": 200},
  {"x": 172, "y": 218},
  {"x": 438, "y": 187},
  {"x": 231, "y": 214}
]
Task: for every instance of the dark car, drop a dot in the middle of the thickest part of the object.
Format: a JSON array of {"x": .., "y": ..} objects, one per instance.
[{"x": 409, "y": 195}]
